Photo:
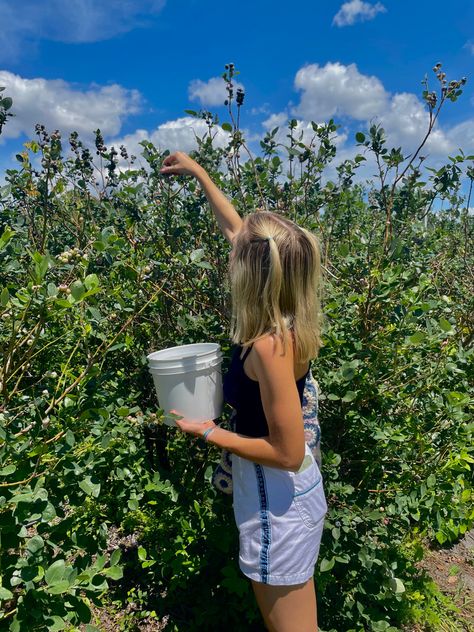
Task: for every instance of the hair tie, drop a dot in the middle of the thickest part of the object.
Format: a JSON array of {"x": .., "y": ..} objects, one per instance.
[{"x": 258, "y": 240}]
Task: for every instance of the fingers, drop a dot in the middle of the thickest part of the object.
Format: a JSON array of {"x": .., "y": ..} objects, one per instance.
[{"x": 170, "y": 160}]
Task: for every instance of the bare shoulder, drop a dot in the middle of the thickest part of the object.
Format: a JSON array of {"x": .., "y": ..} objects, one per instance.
[{"x": 270, "y": 353}]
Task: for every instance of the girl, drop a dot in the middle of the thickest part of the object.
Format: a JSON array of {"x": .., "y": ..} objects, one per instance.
[{"x": 278, "y": 497}]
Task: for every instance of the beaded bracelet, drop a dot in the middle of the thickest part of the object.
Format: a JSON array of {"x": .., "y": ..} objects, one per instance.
[{"x": 208, "y": 432}]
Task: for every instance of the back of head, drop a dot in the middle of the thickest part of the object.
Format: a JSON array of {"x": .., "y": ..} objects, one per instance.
[{"x": 275, "y": 275}]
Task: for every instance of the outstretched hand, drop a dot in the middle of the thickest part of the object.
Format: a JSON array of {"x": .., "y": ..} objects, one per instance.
[
  {"x": 195, "y": 428},
  {"x": 180, "y": 163}
]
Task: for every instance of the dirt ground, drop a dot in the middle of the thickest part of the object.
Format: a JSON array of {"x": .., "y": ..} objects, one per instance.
[{"x": 453, "y": 571}]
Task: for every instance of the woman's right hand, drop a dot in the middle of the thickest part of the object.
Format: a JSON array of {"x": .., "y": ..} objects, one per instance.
[{"x": 180, "y": 163}]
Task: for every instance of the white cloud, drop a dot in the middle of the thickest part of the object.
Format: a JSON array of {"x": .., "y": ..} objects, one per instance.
[
  {"x": 176, "y": 135},
  {"x": 406, "y": 123},
  {"x": 211, "y": 92},
  {"x": 69, "y": 21},
  {"x": 59, "y": 105},
  {"x": 275, "y": 120},
  {"x": 357, "y": 11},
  {"x": 462, "y": 135},
  {"x": 262, "y": 109},
  {"x": 470, "y": 46},
  {"x": 335, "y": 89}
]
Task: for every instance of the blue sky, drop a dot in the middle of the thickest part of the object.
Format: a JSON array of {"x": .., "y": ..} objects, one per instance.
[{"x": 132, "y": 68}]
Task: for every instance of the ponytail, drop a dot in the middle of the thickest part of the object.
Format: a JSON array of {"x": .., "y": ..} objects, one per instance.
[{"x": 272, "y": 289}]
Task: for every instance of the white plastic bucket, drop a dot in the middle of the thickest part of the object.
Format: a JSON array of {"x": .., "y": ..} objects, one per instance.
[{"x": 188, "y": 379}]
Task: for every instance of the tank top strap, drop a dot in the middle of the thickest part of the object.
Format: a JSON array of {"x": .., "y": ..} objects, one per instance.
[{"x": 246, "y": 353}]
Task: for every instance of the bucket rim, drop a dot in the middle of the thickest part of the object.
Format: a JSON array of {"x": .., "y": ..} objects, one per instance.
[{"x": 213, "y": 348}]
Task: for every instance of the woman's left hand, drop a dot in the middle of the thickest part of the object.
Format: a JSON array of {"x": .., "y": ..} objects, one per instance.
[{"x": 195, "y": 428}]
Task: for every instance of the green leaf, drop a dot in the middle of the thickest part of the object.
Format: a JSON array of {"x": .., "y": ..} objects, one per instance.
[
  {"x": 41, "y": 265},
  {"x": 4, "y": 297},
  {"x": 417, "y": 337},
  {"x": 57, "y": 624},
  {"x": 29, "y": 573},
  {"x": 55, "y": 572},
  {"x": 9, "y": 469},
  {"x": 191, "y": 112},
  {"x": 326, "y": 565},
  {"x": 7, "y": 102},
  {"x": 62, "y": 302},
  {"x": 397, "y": 585},
  {"x": 52, "y": 289},
  {"x": 6, "y": 236},
  {"x": 196, "y": 255},
  {"x": 114, "y": 572},
  {"x": 49, "y": 512},
  {"x": 82, "y": 611},
  {"x": 35, "y": 544},
  {"x": 90, "y": 487},
  {"x": 77, "y": 290},
  {"x": 5, "y": 594},
  {"x": 58, "y": 588},
  {"x": 99, "y": 246},
  {"x": 349, "y": 396},
  {"x": 227, "y": 127},
  {"x": 91, "y": 281},
  {"x": 360, "y": 137},
  {"x": 100, "y": 562},
  {"x": 204, "y": 264},
  {"x": 445, "y": 324}
]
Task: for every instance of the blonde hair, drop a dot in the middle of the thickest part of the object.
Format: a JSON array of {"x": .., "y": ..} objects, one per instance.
[{"x": 275, "y": 280}]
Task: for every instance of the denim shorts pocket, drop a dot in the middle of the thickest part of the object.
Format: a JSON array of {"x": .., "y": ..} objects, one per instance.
[{"x": 308, "y": 496}]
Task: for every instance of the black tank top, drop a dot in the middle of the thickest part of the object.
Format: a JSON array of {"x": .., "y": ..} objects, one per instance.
[{"x": 243, "y": 394}]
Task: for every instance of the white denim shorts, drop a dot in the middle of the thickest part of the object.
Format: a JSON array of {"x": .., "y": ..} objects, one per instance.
[{"x": 280, "y": 518}]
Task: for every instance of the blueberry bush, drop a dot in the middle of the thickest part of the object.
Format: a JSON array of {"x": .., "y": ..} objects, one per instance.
[{"x": 102, "y": 260}]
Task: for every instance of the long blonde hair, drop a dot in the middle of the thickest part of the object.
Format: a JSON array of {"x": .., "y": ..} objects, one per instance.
[{"x": 275, "y": 280}]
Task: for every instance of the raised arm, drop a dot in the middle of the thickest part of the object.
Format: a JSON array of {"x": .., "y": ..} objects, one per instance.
[{"x": 227, "y": 217}]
